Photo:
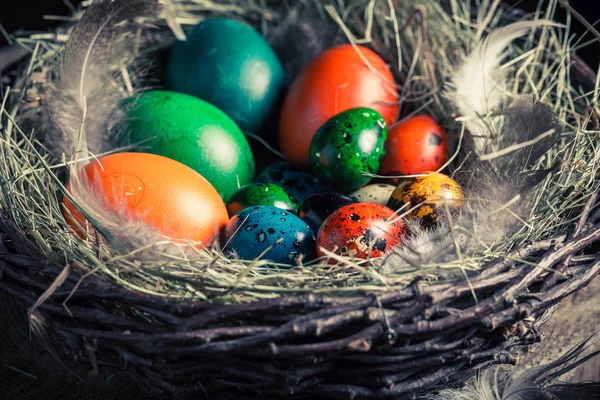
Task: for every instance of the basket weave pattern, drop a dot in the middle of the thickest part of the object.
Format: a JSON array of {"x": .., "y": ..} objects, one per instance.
[{"x": 400, "y": 342}]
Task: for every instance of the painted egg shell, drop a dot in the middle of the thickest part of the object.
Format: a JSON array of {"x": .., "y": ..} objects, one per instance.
[
  {"x": 335, "y": 81},
  {"x": 315, "y": 208},
  {"x": 167, "y": 195},
  {"x": 230, "y": 65},
  {"x": 347, "y": 145},
  {"x": 415, "y": 146},
  {"x": 260, "y": 194},
  {"x": 255, "y": 229},
  {"x": 431, "y": 192},
  {"x": 193, "y": 132},
  {"x": 296, "y": 181},
  {"x": 379, "y": 193},
  {"x": 361, "y": 230}
]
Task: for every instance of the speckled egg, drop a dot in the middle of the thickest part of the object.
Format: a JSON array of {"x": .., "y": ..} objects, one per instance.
[
  {"x": 415, "y": 145},
  {"x": 260, "y": 194},
  {"x": 379, "y": 193},
  {"x": 315, "y": 208},
  {"x": 254, "y": 230},
  {"x": 230, "y": 65},
  {"x": 191, "y": 131},
  {"x": 361, "y": 230},
  {"x": 348, "y": 145},
  {"x": 296, "y": 181},
  {"x": 423, "y": 197}
]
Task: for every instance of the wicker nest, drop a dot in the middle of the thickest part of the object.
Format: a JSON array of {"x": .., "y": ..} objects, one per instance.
[{"x": 416, "y": 336}]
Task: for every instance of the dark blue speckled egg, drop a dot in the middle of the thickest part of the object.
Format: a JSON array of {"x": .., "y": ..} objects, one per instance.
[
  {"x": 315, "y": 208},
  {"x": 296, "y": 181},
  {"x": 254, "y": 229}
]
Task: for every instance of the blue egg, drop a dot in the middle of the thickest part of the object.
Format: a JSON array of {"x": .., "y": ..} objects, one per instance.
[
  {"x": 296, "y": 181},
  {"x": 251, "y": 232}
]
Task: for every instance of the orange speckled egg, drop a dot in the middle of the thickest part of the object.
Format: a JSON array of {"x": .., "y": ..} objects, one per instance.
[
  {"x": 424, "y": 197},
  {"x": 361, "y": 230},
  {"x": 172, "y": 198},
  {"x": 414, "y": 146},
  {"x": 335, "y": 81}
]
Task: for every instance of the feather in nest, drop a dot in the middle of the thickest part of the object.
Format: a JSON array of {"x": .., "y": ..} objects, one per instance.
[
  {"x": 507, "y": 142},
  {"x": 537, "y": 383},
  {"x": 82, "y": 108}
]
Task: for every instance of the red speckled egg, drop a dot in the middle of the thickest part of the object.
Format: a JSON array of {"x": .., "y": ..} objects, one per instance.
[
  {"x": 336, "y": 81},
  {"x": 361, "y": 230},
  {"x": 415, "y": 146}
]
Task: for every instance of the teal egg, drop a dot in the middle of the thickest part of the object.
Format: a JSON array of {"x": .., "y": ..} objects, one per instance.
[
  {"x": 191, "y": 131},
  {"x": 261, "y": 194},
  {"x": 230, "y": 65},
  {"x": 271, "y": 234},
  {"x": 348, "y": 145}
]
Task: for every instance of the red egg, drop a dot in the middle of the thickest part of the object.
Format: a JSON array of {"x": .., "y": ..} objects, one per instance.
[
  {"x": 415, "y": 146},
  {"x": 361, "y": 230},
  {"x": 335, "y": 81}
]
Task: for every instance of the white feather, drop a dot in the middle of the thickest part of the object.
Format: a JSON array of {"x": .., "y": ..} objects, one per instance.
[{"x": 478, "y": 86}]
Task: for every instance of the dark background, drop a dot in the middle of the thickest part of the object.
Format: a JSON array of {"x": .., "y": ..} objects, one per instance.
[{"x": 29, "y": 15}]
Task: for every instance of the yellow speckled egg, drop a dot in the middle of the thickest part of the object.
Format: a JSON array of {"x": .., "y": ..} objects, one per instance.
[{"x": 423, "y": 197}]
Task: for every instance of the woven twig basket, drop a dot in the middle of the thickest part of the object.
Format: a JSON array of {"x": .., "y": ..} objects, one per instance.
[{"x": 400, "y": 343}]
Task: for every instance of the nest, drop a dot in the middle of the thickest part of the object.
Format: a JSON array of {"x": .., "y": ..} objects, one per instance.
[{"x": 246, "y": 329}]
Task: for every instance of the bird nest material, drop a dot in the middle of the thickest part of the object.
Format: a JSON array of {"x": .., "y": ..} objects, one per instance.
[{"x": 370, "y": 329}]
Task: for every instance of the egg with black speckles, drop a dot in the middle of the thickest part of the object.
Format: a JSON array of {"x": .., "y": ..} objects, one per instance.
[
  {"x": 346, "y": 146},
  {"x": 361, "y": 230},
  {"x": 379, "y": 193},
  {"x": 315, "y": 208},
  {"x": 280, "y": 235},
  {"x": 296, "y": 181},
  {"x": 423, "y": 197},
  {"x": 415, "y": 145},
  {"x": 260, "y": 194}
]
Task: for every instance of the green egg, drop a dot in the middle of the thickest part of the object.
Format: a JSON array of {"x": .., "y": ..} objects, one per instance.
[
  {"x": 191, "y": 131},
  {"x": 261, "y": 194},
  {"x": 230, "y": 65},
  {"x": 348, "y": 145}
]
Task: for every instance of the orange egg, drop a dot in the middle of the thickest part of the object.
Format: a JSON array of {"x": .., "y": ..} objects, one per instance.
[
  {"x": 335, "y": 81},
  {"x": 172, "y": 198},
  {"x": 414, "y": 146}
]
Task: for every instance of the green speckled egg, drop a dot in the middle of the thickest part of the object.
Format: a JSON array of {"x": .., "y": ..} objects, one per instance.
[
  {"x": 230, "y": 65},
  {"x": 260, "y": 194},
  {"x": 191, "y": 131},
  {"x": 347, "y": 145}
]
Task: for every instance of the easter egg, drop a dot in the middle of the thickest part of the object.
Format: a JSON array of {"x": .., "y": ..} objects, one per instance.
[
  {"x": 379, "y": 193},
  {"x": 361, "y": 230},
  {"x": 193, "y": 132},
  {"x": 230, "y": 65},
  {"x": 260, "y": 194},
  {"x": 172, "y": 198},
  {"x": 296, "y": 181},
  {"x": 346, "y": 146},
  {"x": 415, "y": 146},
  {"x": 280, "y": 235},
  {"x": 335, "y": 81},
  {"x": 315, "y": 208},
  {"x": 423, "y": 198}
]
